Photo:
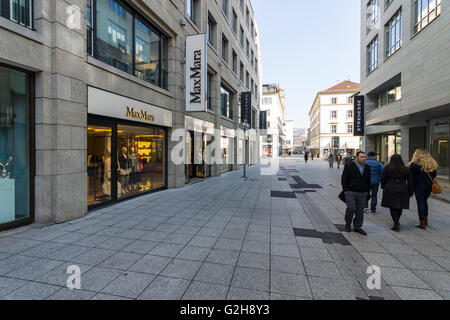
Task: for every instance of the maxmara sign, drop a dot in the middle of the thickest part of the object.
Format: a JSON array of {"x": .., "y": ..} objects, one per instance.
[
  {"x": 196, "y": 62},
  {"x": 108, "y": 104}
]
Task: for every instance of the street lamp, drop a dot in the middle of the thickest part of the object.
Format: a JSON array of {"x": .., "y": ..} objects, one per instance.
[{"x": 244, "y": 126}]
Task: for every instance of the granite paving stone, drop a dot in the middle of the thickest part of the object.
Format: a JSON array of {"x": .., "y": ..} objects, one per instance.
[
  {"x": 163, "y": 288},
  {"x": 287, "y": 265},
  {"x": 246, "y": 294},
  {"x": 121, "y": 260},
  {"x": 254, "y": 260},
  {"x": 253, "y": 279},
  {"x": 7, "y": 285},
  {"x": 94, "y": 256},
  {"x": 205, "y": 291},
  {"x": 193, "y": 253},
  {"x": 227, "y": 238},
  {"x": 129, "y": 284},
  {"x": 32, "y": 291},
  {"x": 181, "y": 269},
  {"x": 215, "y": 273},
  {"x": 290, "y": 284},
  {"x": 150, "y": 264},
  {"x": 330, "y": 289},
  {"x": 220, "y": 256},
  {"x": 34, "y": 269}
]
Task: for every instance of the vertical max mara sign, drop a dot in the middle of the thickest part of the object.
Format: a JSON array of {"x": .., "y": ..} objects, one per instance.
[{"x": 196, "y": 68}]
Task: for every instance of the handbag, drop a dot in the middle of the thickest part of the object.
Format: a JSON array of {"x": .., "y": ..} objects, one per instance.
[{"x": 436, "y": 187}]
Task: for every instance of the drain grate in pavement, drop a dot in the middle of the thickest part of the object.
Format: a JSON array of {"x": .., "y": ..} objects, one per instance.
[
  {"x": 283, "y": 194},
  {"x": 301, "y": 184},
  {"x": 326, "y": 237}
]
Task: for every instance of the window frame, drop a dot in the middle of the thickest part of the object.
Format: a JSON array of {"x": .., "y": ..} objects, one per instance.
[
  {"x": 372, "y": 51},
  {"x": 163, "y": 44},
  {"x": 418, "y": 25},
  {"x": 393, "y": 26},
  {"x": 8, "y": 13}
]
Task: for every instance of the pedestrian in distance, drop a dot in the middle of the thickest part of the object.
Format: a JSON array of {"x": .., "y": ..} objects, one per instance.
[
  {"x": 312, "y": 156},
  {"x": 355, "y": 182},
  {"x": 339, "y": 160},
  {"x": 398, "y": 188},
  {"x": 331, "y": 160},
  {"x": 423, "y": 170},
  {"x": 306, "y": 156},
  {"x": 376, "y": 168}
]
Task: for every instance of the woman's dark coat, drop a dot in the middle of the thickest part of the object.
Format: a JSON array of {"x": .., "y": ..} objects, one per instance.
[{"x": 396, "y": 190}]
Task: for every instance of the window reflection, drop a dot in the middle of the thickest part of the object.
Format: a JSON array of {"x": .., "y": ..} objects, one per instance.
[
  {"x": 141, "y": 159},
  {"x": 99, "y": 164}
]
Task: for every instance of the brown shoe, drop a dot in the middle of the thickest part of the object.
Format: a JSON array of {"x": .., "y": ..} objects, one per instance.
[
  {"x": 426, "y": 221},
  {"x": 421, "y": 225}
]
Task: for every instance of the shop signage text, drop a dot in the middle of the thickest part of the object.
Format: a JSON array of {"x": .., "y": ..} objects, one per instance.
[
  {"x": 263, "y": 120},
  {"x": 246, "y": 107},
  {"x": 196, "y": 62},
  {"x": 142, "y": 114},
  {"x": 108, "y": 104},
  {"x": 359, "y": 116}
]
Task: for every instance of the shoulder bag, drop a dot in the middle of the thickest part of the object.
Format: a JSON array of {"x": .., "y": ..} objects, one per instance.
[{"x": 435, "y": 188}]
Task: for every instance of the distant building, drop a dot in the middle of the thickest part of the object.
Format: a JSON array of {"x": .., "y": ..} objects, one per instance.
[
  {"x": 331, "y": 120},
  {"x": 288, "y": 130},
  {"x": 274, "y": 103}
]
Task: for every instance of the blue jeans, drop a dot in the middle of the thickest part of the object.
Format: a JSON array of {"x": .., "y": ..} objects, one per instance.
[
  {"x": 374, "y": 191},
  {"x": 422, "y": 202}
]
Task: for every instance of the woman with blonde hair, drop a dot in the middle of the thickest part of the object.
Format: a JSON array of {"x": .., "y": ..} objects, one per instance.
[{"x": 423, "y": 169}]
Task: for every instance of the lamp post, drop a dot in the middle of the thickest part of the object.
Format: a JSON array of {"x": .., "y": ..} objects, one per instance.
[{"x": 245, "y": 126}]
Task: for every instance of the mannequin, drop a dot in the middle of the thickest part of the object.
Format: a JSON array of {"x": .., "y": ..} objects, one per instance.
[
  {"x": 124, "y": 170},
  {"x": 134, "y": 169}
]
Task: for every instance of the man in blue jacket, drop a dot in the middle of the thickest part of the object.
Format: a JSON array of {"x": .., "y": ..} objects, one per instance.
[{"x": 376, "y": 168}]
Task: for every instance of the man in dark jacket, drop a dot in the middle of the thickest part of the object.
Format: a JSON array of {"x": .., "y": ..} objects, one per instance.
[{"x": 356, "y": 185}]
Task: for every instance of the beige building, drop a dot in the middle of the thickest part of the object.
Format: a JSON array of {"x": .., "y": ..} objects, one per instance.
[
  {"x": 91, "y": 92},
  {"x": 274, "y": 104},
  {"x": 405, "y": 77},
  {"x": 332, "y": 120}
]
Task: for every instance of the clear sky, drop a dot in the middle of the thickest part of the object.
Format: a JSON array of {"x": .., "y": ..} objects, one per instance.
[{"x": 307, "y": 46}]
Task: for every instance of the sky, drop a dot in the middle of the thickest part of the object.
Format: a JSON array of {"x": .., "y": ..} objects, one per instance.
[{"x": 307, "y": 46}]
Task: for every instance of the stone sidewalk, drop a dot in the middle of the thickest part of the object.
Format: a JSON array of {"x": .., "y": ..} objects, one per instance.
[{"x": 268, "y": 237}]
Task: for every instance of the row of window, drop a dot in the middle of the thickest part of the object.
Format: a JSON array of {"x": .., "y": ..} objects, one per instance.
[
  {"x": 334, "y": 114},
  {"x": 333, "y": 128},
  {"x": 335, "y": 101},
  {"x": 120, "y": 37},
  {"x": 212, "y": 39},
  {"x": 425, "y": 11}
]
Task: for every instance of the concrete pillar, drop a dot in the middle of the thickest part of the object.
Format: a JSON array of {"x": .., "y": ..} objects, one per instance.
[{"x": 405, "y": 144}]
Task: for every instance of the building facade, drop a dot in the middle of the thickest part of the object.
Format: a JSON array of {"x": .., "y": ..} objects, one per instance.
[
  {"x": 92, "y": 92},
  {"x": 288, "y": 132},
  {"x": 332, "y": 121},
  {"x": 274, "y": 104},
  {"x": 405, "y": 73}
]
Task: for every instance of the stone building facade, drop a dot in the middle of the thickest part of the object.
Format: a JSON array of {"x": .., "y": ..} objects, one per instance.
[
  {"x": 97, "y": 87},
  {"x": 405, "y": 68}
]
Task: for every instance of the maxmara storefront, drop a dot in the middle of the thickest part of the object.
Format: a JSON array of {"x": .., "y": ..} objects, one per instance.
[{"x": 90, "y": 99}]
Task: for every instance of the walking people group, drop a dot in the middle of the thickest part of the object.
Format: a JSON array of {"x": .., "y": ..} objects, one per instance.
[{"x": 363, "y": 177}]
